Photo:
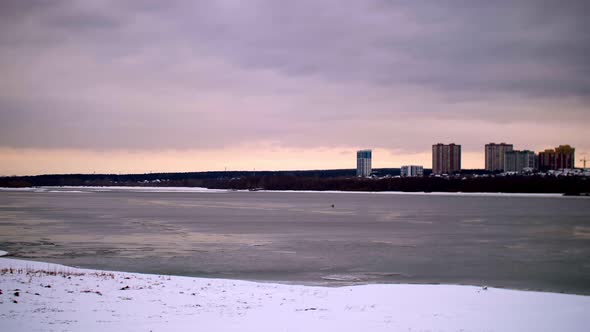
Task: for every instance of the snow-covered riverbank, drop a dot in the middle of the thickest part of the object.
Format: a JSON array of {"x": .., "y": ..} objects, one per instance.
[
  {"x": 48, "y": 297},
  {"x": 94, "y": 189}
]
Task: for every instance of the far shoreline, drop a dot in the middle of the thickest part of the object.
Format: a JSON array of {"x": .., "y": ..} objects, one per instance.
[
  {"x": 471, "y": 182},
  {"x": 167, "y": 189}
]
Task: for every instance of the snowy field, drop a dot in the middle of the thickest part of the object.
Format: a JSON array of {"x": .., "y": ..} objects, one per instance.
[{"x": 39, "y": 296}]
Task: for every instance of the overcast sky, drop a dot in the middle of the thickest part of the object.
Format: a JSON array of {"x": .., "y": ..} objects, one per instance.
[{"x": 135, "y": 86}]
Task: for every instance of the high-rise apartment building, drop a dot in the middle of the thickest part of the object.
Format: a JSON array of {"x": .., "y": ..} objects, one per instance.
[
  {"x": 495, "y": 156},
  {"x": 519, "y": 161},
  {"x": 363, "y": 163},
  {"x": 446, "y": 158},
  {"x": 412, "y": 171},
  {"x": 565, "y": 157},
  {"x": 547, "y": 160},
  {"x": 561, "y": 157}
]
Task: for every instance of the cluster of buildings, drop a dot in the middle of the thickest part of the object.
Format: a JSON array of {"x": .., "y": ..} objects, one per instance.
[
  {"x": 503, "y": 158},
  {"x": 499, "y": 158}
]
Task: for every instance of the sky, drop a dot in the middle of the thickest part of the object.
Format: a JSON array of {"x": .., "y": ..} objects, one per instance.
[{"x": 158, "y": 86}]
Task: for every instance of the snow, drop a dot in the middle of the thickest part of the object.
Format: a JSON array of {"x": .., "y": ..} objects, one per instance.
[
  {"x": 3, "y": 253},
  {"x": 90, "y": 189},
  {"x": 421, "y": 193},
  {"x": 56, "y": 297}
]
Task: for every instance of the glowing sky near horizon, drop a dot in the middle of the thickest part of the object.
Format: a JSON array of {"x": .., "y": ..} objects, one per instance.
[{"x": 140, "y": 86}]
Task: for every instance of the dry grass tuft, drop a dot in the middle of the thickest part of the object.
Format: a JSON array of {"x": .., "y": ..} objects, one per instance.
[{"x": 65, "y": 273}]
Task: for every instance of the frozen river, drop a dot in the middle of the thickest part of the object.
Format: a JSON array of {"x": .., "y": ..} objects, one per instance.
[{"x": 518, "y": 242}]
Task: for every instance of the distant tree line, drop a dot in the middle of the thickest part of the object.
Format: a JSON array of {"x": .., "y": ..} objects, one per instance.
[
  {"x": 191, "y": 179},
  {"x": 322, "y": 180},
  {"x": 508, "y": 184}
]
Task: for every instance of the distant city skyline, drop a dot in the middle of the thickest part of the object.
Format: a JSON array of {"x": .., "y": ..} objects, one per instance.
[
  {"x": 134, "y": 87},
  {"x": 31, "y": 162},
  {"x": 182, "y": 161}
]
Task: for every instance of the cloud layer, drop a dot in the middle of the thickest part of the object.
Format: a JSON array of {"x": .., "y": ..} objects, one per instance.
[{"x": 396, "y": 75}]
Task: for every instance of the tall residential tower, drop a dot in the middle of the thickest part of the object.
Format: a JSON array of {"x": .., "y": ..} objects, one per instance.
[
  {"x": 495, "y": 156},
  {"x": 520, "y": 161},
  {"x": 363, "y": 163},
  {"x": 446, "y": 158},
  {"x": 565, "y": 157}
]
